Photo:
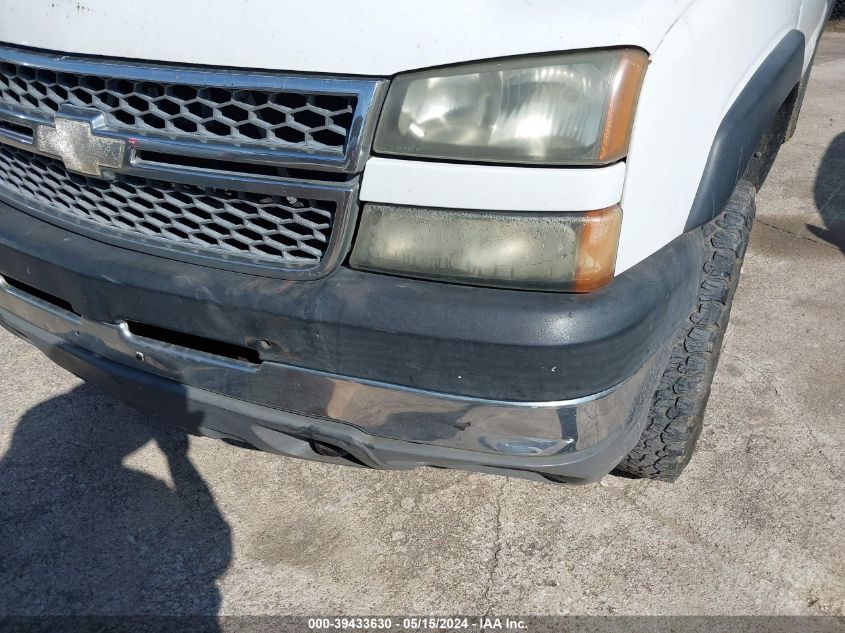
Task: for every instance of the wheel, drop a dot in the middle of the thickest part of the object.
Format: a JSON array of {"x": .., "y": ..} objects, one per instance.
[{"x": 676, "y": 415}]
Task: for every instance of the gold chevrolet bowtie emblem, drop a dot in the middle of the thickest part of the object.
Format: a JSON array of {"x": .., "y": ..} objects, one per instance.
[{"x": 74, "y": 142}]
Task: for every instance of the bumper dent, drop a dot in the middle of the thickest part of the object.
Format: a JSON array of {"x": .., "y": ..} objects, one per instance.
[{"x": 282, "y": 408}]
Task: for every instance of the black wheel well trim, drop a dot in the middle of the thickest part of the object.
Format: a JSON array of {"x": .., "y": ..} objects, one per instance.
[{"x": 745, "y": 125}]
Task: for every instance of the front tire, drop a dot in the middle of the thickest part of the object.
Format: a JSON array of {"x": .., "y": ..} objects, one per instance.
[{"x": 676, "y": 415}]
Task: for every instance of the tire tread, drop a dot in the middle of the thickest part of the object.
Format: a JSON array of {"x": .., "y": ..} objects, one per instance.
[{"x": 676, "y": 415}]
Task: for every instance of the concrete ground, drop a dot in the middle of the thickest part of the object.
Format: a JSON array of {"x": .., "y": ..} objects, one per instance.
[{"x": 103, "y": 510}]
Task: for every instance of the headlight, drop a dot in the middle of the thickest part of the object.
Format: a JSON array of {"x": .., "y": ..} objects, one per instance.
[
  {"x": 574, "y": 108},
  {"x": 545, "y": 251}
]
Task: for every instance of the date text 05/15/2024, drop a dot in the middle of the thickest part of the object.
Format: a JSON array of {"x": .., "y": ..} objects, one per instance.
[{"x": 421, "y": 623}]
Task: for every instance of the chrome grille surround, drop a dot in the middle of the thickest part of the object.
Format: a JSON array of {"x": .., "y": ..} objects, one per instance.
[{"x": 288, "y": 206}]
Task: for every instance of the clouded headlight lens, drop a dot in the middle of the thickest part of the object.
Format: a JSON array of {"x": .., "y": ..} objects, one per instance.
[
  {"x": 542, "y": 251},
  {"x": 572, "y": 108}
]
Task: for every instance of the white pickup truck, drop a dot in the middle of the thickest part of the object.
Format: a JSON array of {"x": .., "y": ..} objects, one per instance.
[{"x": 498, "y": 236}]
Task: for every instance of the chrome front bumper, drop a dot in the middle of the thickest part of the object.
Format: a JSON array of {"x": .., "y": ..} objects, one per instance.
[{"x": 286, "y": 409}]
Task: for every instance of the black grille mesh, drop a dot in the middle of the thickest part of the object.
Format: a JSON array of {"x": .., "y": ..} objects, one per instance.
[
  {"x": 243, "y": 116},
  {"x": 260, "y": 226}
]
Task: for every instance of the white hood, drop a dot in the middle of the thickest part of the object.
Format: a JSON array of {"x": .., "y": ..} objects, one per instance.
[{"x": 363, "y": 37}]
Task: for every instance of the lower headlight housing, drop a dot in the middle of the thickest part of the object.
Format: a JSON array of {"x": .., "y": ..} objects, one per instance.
[{"x": 573, "y": 252}]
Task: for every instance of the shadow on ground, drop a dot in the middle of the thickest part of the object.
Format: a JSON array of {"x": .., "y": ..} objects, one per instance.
[
  {"x": 81, "y": 533},
  {"x": 830, "y": 195}
]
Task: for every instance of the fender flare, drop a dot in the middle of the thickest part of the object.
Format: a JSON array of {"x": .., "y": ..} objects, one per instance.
[{"x": 744, "y": 125}]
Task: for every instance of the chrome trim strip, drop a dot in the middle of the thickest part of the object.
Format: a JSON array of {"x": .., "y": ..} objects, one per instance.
[
  {"x": 369, "y": 93},
  {"x": 10, "y": 136},
  {"x": 384, "y": 410},
  {"x": 21, "y": 119}
]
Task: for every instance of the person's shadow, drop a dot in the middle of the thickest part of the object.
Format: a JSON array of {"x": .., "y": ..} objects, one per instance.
[
  {"x": 83, "y": 534},
  {"x": 830, "y": 195}
]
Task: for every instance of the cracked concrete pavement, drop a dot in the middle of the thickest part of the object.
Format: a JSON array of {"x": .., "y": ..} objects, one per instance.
[{"x": 106, "y": 511}]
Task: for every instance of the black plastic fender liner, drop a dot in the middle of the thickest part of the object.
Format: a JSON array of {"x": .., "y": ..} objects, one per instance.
[{"x": 744, "y": 126}]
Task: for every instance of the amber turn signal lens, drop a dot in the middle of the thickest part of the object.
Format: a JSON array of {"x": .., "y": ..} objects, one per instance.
[
  {"x": 619, "y": 120},
  {"x": 598, "y": 243}
]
